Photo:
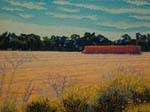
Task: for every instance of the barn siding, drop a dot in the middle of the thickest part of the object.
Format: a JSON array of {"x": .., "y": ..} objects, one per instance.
[{"x": 113, "y": 49}]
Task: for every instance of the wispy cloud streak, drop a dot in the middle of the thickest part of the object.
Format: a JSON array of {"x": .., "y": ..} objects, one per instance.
[
  {"x": 137, "y": 2},
  {"x": 125, "y": 25},
  {"x": 26, "y": 16},
  {"x": 147, "y": 18},
  {"x": 11, "y": 9},
  {"x": 64, "y": 16},
  {"x": 28, "y": 5}
]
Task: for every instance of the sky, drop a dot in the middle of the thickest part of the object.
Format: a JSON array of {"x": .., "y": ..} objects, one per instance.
[{"x": 111, "y": 18}]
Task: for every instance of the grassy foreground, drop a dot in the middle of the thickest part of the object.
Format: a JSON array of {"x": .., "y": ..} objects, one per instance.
[{"x": 123, "y": 92}]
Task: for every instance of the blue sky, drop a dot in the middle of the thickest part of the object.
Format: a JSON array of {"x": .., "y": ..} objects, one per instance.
[{"x": 111, "y": 18}]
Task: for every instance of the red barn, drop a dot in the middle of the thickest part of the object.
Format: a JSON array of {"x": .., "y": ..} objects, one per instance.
[{"x": 113, "y": 49}]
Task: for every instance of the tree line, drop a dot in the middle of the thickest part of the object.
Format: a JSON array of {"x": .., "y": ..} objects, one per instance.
[{"x": 26, "y": 42}]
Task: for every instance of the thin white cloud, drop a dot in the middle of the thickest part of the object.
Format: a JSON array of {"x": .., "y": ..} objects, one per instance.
[
  {"x": 137, "y": 2},
  {"x": 62, "y": 2},
  {"x": 28, "y": 5},
  {"x": 64, "y": 16},
  {"x": 11, "y": 9},
  {"x": 26, "y": 16},
  {"x": 128, "y": 10},
  {"x": 19, "y": 27},
  {"x": 69, "y": 10},
  {"x": 125, "y": 25},
  {"x": 102, "y": 8},
  {"x": 141, "y": 17}
]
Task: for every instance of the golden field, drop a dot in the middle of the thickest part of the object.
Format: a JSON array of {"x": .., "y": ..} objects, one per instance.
[{"x": 47, "y": 68}]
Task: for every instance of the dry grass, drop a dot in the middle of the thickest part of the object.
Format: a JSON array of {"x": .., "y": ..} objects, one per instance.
[{"x": 47, "y": 68}]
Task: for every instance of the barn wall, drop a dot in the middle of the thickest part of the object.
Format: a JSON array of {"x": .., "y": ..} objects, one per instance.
[{"x": 113, "y": 49}]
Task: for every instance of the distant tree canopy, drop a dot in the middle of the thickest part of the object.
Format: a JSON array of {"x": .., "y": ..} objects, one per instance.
[{"x": 11, "y": 41}]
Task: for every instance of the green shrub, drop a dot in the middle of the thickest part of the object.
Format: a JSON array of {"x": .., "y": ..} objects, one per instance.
[
  {"x": 75, "y": 102},
  {"x": 141, "y": 95},
  {"x": 111, "y": 101},
  {"x": 121, "y": 91},
  {"x": 41, "y": 105}
]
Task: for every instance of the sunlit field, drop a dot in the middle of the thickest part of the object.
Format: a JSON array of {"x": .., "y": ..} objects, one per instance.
[{"x": 46, "y": 68}]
